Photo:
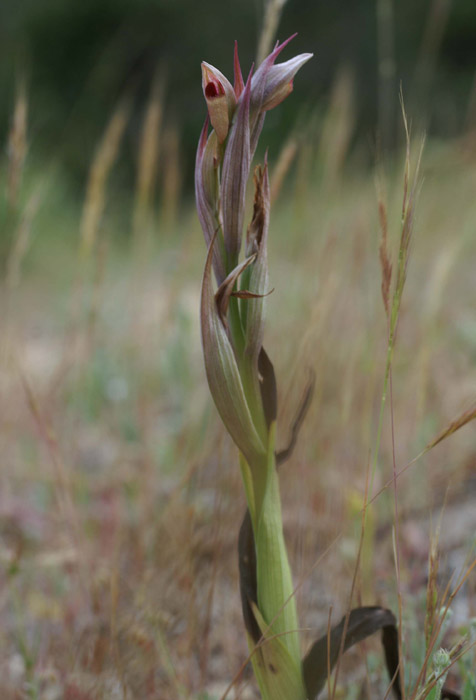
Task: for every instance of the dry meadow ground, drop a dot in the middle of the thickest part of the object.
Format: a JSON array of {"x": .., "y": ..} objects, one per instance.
[{"x": 120, "y": 496}]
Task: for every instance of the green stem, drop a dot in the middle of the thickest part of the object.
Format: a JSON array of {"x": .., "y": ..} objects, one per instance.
[
  {"x": 276, "y": 599},
  {"x": 275, "y": 590}
]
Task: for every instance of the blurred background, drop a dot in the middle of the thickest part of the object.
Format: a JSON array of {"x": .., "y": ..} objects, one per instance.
[
  {"x": 120, "y": 496},
  {"x": 78, "y": 59}
]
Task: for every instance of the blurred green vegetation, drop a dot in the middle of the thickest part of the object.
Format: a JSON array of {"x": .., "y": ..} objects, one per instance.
[{"x": 78, "y": 58}]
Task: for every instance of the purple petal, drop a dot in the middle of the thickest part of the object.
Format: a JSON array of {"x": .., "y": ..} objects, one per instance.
[
  {"x": 279, "y": 78},
  {"x": 235, "y": 172},
  {"x": 239, "y": 85},
  {"x": 260, "y": 77},
  {"x": 269, "y": 84}
]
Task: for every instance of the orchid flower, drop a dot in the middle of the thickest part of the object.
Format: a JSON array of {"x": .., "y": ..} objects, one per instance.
[{"x": 240, "y": 374}]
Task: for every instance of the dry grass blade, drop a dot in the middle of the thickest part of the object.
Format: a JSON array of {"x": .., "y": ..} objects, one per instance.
[
  {"x": 148, "y": 157},
  {"x": 431, "y": 591},
  {"x": 272, "y": 15},
  {"x": 338, "y": 127},
  {"x": 101, "y": 167},
  {"x": 411, "y": 188},
  {"x": 17, "y": 143},
  {"x": 455, "y": 425},
  {"x": 61, "y": 478},
  {"x": 446, "y": 601},
  {"x": 385, "y": 262},
  {"x": 281, "y": 169},
  {"x": 172, "y": 182},
  {"x": 22, "y": 239}
]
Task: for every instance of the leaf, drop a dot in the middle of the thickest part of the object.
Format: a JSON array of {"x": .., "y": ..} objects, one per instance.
[
  {"x": 361, "y": 623},
  {"x": 223, "y": 375},
  {"x": 206, "y": 196},
  {"x": 283, "y": 455},
  {"x": 269, "y": 392},
  {"x": 246, "y": 543},
  {"x": 275, "y": 588},
  {"x": 278, "y": 675},
  {"x": 225, "y": 290},
  {"x": 451, "y": 695},
  {"x": 265, "y": 576},
  {"x": 246, "y": 294},
  {"x": 247, "y": 569}
]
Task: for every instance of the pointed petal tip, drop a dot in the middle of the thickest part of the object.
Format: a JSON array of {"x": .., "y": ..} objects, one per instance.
[
  {"x": 250, "y": 75},
  {"x": 239, "y": 85},
  {"x": 279, "y": 47},
  {"x": 245, "y": 96},
  {"x": 290, "y": 38}
]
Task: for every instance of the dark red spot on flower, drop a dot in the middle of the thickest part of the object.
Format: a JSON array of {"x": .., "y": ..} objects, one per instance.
[{"x": 214, "y": 90}]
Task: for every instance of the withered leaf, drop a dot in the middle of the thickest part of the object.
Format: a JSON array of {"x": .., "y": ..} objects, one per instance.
[
  {"x": 303, "y": 408},
  {"x": 269, "y": 392},
  {"x": 361, "y": 623},
  {"x": 224, "y": 291},
  {"x": 246, "y": 294},
  {"x": 248, "y": 582}
]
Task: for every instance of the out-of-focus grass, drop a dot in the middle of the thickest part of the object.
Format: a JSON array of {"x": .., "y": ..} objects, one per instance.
[{"x": 120, "y": 495}]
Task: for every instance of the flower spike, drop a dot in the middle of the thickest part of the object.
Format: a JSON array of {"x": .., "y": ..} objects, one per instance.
[{"x": 239, "y": 372}]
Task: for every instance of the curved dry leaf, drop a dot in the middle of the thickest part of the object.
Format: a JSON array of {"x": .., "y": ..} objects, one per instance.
[
  {"x": 283, "y": 455},
  {"x": 225, "y": 290},
  {"x": 358, "y": 625}
]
